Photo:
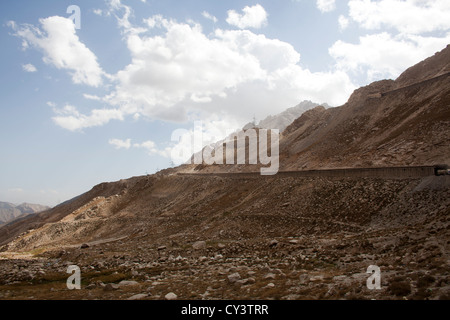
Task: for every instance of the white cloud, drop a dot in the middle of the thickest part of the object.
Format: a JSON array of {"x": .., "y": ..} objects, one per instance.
[
  {"x": 120, "y": 144},
  {"x": 407, "y": 16},
  {"x": 343, "y": 22},
  {"x": 63, "y": 49},
  {"x": 209, "y": 16},
  {"x": 69, "y": 118},
  {"x": 51, "y": 104},
  {"x": 92, "y": 97},
  {"x": 326, "y": 5},
  {"x": 16, "y": 190},
  {"x": 148, "y": 146},
  {"x": 152, "y": 149},
  {"x": 383, "y": 55},
  {"x": 98, "y": 12},
  {"x": 29, "y": 67},
  {"x": 252, "y": 17},
  {"x": 169, "y": 78}
]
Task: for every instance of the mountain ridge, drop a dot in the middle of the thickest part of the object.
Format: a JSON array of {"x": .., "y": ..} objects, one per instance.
[{"x": 10, "y": 212}]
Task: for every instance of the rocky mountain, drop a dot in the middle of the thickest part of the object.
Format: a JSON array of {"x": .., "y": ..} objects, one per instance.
[
  {"x": 285, "y": 118},
  {"x": 387, "y": 123},
  {"x": 10, "y": 212},
  {"x": 288, "y": 236},
  {"x": 279, "y": 121}
]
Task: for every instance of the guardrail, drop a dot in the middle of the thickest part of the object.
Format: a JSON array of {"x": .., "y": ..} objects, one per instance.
[{"x": 382, "y": 172}]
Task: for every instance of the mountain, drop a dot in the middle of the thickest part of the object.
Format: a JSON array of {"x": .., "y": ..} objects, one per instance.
[
  {"x": 10, "y": 212},
  {"x": 279, "y": 122},
  {"x": 387, "y": 123},
  {"x": 287, "y": 236},
  {"x": 285, "y": 118}
]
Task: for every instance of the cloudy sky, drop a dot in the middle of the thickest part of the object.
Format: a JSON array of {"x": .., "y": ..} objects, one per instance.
[{"x": 95, "y": 95}]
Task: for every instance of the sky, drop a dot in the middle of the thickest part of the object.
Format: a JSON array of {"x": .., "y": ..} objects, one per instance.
[{"x": 98, "y": 91}]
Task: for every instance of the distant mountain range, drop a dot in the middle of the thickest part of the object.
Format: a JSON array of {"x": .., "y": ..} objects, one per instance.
[{"x": 10, "y": 212}]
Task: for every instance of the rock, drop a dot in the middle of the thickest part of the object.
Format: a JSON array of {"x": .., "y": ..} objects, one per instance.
[
  {"x": 232, "y": 278},
  {"x": 270, "y": 285},
  {"x": 110, "y": 287},
  {"x": 161, "y": 248},
  {"x": 138, "y": 296},
  {"x": 125, "y": 283},
  {"x": 251, "y": 280},
  {"x": 84, "y": 246},
  {"x": 316, "y": 278},
  {"x": 171, "y": 296},
  {"x": 273, "y": 243},
  {"x": 270, "y": 276},
  {"x": 134, "y": 273},
  {"x": 246, "y": 281},
  {"x": 91, "y": 286},
  {"x": 199, "y": 245},
  {"x": 303, "y": 279}
]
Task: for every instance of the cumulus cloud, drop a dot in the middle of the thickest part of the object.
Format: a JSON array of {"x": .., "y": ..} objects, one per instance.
[
  {"x": 169, "y": 78},
  {"x": 120, "y": 144},
  {"x": 235, "y": 75},
  {"x": 383, "y": 55},
  {"x": 209, "y": 16},
  {"x": 343, "y": 22},
  {"x": 98, "y": 12},
  {"x": 326, "y": 5},
  {"x": 69, "y": 118},
  {"x": 148, "y": 146},
  {"x": 152, "y": 149},
  {"x": 406, "y": 16},
  {"x": 62, "y": 48},
  {"x": 252, "y": 17},
  {"x": 29, "y": 67}
]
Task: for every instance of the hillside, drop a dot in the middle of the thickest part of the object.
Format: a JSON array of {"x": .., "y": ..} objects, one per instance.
[
  {"x": 266, "y": 237},
  {"x": 282, "y": 120}
]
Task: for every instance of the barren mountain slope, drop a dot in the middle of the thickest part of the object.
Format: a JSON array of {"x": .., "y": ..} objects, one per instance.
[
  {"x": 326, "y": 229},
  {"x": 378, "y": 126},
  {"x": 387, "y": 123}
]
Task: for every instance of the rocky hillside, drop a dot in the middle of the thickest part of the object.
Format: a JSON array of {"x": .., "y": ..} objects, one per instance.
[
  {"x": 282, "y": 120},
  {"x": 240, "y": 238},
  {"x": 10, "y": 212},
  {"x": 265, "y": 237},
  {"x": 387, "y": 123}
]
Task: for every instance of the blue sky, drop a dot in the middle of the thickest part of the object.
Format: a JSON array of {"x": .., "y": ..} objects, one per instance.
[{"x": 100, "y": 103}]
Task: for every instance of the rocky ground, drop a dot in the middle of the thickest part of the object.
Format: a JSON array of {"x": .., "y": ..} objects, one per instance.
[
  {"x": 308, "y": 238},
  {"x": 414, "y": 265}
]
